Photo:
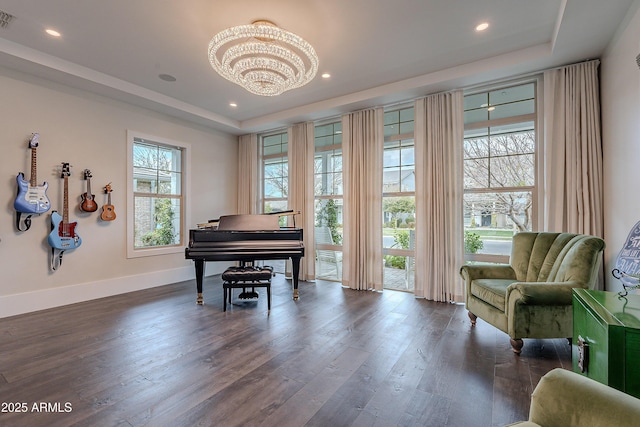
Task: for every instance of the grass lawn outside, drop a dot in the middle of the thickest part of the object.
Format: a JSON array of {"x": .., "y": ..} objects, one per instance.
[{"x": 492, "y": 233}]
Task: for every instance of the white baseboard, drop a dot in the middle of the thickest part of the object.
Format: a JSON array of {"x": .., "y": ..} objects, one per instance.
[{"x": 12, "y": 305}]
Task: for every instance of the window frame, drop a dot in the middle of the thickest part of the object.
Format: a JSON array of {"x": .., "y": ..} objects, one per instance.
[
  {"x": 534, "y": 117},
  {"x": 326, "y": 154},
  {"x": 400, "y": 138},
  {"x": 185, "y": 211},
  {"x": 284, "y": 157},
  {"x": 328, "y": 150}
]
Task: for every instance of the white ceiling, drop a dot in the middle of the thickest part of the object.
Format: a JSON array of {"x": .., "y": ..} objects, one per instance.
[{"x": 377, "y": 51}]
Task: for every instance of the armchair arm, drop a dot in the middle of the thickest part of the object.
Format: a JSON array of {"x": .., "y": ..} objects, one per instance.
[
  {"x": 565, "y": 398},
  {"x": 487, "y": 271},
  {"x": 541, "y": 293}
]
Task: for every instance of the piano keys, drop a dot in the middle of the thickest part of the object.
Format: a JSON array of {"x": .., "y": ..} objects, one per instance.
[{"x": 245, "y": 238}]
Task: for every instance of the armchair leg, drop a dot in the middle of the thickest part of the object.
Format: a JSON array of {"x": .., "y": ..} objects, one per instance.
[
  {"x": 473, "y": 318},
  {"x": 516, "y": 345}
]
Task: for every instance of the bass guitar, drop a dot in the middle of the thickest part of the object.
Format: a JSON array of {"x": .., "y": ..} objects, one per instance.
[
  {"x": 88, "y": 203},
  {"x": 63, "y": 234},
  {"x": 108, "y": 214},
  {"x": 32, "y": 198}
]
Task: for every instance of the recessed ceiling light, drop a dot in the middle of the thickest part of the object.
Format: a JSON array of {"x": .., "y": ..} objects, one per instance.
[
  {"x": 233, "y": 104},
  {"x": 52, "y": 32},
  {"x": 326, "y": 75},
  {"x": 491, "y": 108},
  {"x": 167, "y": 77},
  {"x": 482, "y": 27}
]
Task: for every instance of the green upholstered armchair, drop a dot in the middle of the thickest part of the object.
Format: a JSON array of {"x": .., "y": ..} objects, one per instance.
[
  {"x": 531, "y": 296},
  {"x": 565, "y": 399}
]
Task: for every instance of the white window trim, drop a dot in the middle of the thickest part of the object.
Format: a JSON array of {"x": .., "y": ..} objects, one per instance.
[{"x": 186, "y": 186}]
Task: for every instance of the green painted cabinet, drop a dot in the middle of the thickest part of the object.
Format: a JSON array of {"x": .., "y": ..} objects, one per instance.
[{"x": 606, "y": 338}]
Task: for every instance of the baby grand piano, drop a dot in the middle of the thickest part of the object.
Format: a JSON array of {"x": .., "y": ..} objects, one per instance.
[{"x": 245, "y": 238}]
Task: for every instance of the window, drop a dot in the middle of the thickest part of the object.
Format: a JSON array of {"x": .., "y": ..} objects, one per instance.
[
  {"x": 398, "y": 199},
  {"x": 275, "y": 180},
  {"x": 156, "y": 193},
  {"x": 275, "y": 173},
  {"x": 499, "y": 169},
  {"x": 328, "y": 200}
]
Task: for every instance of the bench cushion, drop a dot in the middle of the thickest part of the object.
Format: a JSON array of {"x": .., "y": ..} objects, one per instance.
[{"x": 247, "y": 274}]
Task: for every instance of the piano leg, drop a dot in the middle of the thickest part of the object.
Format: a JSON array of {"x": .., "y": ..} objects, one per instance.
[
  {"x": 295, "y": 267},
  {"x": 199, "y": 277}
]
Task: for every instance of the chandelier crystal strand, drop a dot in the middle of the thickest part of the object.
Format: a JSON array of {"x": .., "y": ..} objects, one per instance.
[{"x": 262, "y": 58}]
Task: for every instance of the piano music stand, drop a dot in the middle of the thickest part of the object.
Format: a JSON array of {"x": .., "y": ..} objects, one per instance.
[{"x": 249, "y": 222}]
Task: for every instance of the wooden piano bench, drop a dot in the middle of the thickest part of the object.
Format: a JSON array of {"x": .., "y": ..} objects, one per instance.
[{"x": 246, "y": 277}]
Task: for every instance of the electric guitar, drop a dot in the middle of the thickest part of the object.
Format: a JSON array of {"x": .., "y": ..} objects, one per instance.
[
  {"x": 63, "y": 233},
  {"x": 108, "y": 214},
  {"x": 31, "y": 198},
  {"x": 88, "y": 203}
]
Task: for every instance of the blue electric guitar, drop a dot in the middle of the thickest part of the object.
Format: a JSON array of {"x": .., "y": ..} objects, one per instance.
[
  {"x": 32, "y": 198},
  {"x": 63, "y": 233}
]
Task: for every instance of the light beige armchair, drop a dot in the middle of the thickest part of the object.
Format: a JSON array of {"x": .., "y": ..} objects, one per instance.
[
  {"x": 531, "y": 296},
  {"x": 565, "y": 399}
]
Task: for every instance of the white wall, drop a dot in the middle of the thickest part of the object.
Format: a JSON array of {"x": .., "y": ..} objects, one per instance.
[
  {"x": 90, "y": 132},
  {"x": 620, "y": 94}
]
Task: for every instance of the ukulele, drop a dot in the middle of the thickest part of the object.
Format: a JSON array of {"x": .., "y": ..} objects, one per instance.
[
  {"x": 108, "y": 214},
  {"x": 63, "y": 233},
  {"x": 31, "y": 198},
  {"x": 88, "y": 203}
]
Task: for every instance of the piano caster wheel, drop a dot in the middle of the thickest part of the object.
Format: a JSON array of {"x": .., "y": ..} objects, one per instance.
[
  {"x": 295, "y": 295},
  {"x": 200, "y": 300}
]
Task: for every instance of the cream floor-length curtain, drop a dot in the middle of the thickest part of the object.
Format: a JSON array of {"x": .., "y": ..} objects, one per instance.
[
  {"x": 301, "y": 191},
  {"x": 439, "y": 135},
  {"x": 362, "y": 148},
  {"x": 573, "y": 174},
  {"x": 248, "y": 174}
]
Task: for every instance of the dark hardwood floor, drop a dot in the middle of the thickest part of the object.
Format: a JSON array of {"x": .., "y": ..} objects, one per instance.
[{"x": 336, "y": 357}]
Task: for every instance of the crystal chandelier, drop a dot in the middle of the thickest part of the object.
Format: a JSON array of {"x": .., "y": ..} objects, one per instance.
[{"x": 262, "y": 58}]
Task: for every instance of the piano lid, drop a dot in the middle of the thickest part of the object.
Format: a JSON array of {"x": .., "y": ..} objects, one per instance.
[{"x": 249, "y": 222}]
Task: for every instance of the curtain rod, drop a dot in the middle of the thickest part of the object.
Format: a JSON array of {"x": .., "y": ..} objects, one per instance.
[{"x": 525, "y": 75}]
